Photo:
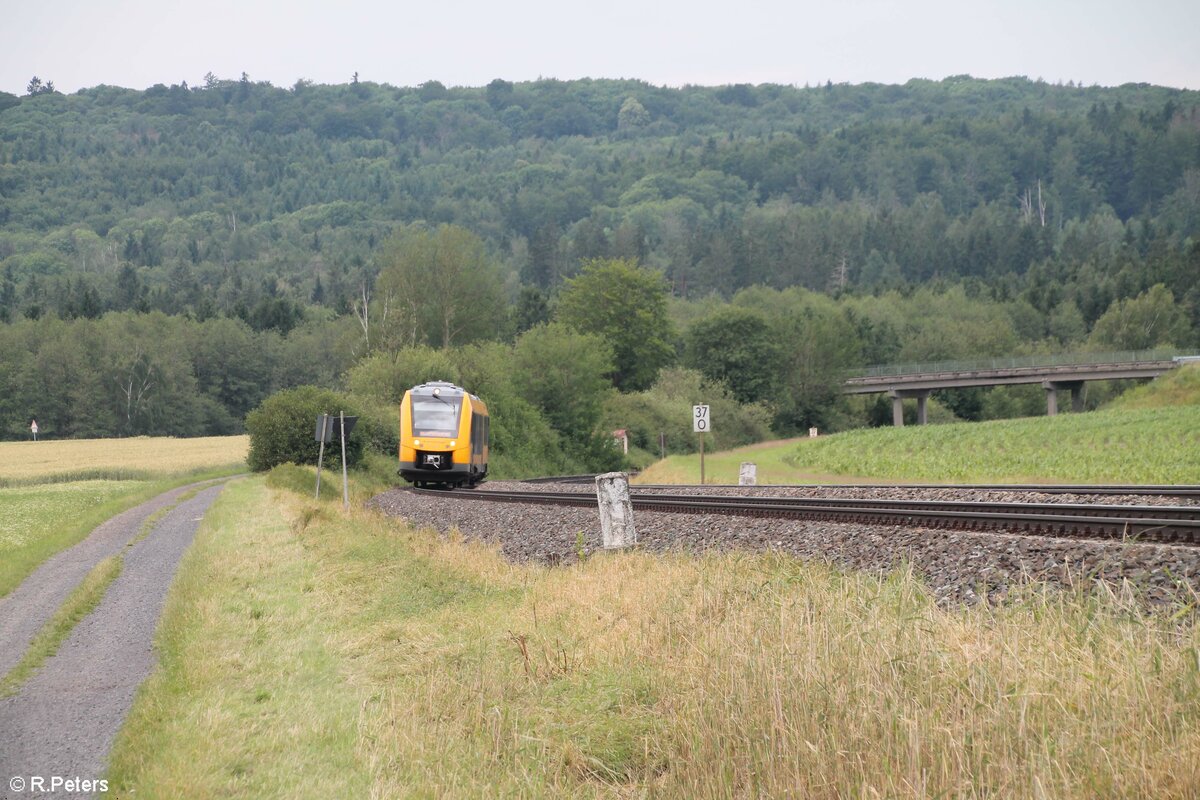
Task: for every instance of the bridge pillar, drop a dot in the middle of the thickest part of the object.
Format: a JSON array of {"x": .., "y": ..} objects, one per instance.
[
  {"x": 1052, "y": 388},
  {"x": 898, "y": 396}
]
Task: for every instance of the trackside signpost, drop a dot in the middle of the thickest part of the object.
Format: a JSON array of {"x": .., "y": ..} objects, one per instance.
[
  {"x": 327, "y": 426},
  {"x": 701, "y": 424}
]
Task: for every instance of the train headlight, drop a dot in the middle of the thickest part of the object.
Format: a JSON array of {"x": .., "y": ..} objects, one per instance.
[
  {"x": 452, "y": 443},
  {"x": 416, "y": 442}
]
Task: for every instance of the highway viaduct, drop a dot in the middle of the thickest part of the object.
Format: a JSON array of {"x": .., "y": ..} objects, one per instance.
[{"x": 1054, "y": 373}]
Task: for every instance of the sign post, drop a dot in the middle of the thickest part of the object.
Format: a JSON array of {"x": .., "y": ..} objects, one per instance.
[
  {"x": 327, "y": 425},
  {"x": 345, "y": 481},
  {"x": 322, "y": 436},
  {"x": 701, "y": 423}
]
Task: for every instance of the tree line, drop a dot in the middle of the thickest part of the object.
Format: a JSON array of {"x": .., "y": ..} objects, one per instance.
[
  {"x": 612, "y": 348},
  {"x": 751, "y": 240},
  {"x": 218, "y": 196}
]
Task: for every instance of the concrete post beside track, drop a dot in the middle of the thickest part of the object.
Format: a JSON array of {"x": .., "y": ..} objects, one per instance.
[
  {"x": 748, "y": 474},
  {"x": 616, "y": 511}
]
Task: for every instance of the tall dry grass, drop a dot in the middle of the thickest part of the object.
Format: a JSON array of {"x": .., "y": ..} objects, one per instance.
[{"x": 457, "y": 674}]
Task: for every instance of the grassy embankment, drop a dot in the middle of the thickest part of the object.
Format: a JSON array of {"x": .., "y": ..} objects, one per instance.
[
  {"x": 308, "y": 652},
  {"x": 1151, "y": 435},
  {"x": 56, "y": 492}
]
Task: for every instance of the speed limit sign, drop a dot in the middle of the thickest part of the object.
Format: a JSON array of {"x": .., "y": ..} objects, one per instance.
[{"x": 701, "y": 423}]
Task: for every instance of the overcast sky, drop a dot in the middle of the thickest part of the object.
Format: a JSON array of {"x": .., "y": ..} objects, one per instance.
[{"x": 138, "y": 43}]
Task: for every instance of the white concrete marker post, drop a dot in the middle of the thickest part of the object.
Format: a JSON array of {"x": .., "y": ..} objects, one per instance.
[
  {"x": 616, "y": 511},
  {"x": 748, "y": 474}
]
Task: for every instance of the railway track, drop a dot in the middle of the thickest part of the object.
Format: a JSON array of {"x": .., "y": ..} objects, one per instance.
[
  {"x": 1162, "y": 490},
  {"x": 1160, "y": 524},
  {"x": 1181, "y": 491}
]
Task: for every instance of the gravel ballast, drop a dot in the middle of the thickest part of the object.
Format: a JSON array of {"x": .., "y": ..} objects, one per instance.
[
  {"x": 957, "y": 565},
  {"x": 64, "y": 719}
]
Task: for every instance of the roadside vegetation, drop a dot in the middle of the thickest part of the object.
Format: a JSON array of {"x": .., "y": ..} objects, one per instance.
[
  {"x": 308, "y": 652},
  {"x": 1180, "y": 387}
]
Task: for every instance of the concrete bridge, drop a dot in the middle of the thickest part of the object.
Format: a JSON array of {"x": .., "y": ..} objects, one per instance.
[{"x": 1054, "y": 373}]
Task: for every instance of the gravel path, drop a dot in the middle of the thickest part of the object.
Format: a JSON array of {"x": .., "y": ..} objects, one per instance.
[
  {"x": 65, "y": 718},
  {"x": 957, "y": 565},
  {"x": 27, "y": 608}
]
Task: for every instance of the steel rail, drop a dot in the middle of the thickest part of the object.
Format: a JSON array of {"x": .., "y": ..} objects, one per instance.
[
  {"x": 1163, "y": 524},
  {"x": 1157, "y": 490},
  {"x": 1182, "y": 490}
]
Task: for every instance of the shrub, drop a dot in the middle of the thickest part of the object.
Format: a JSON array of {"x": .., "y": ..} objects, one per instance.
[
  {"x": 380, "y": 426},
  {"x": 281, "y": 429},
  {"x": 667, "y": 408}
]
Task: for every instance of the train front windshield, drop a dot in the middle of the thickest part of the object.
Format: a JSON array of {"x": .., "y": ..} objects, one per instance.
[{"x": 433, "y": 416}]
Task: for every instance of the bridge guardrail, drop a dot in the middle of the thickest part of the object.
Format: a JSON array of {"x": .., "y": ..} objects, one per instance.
[{"x": 978, "y": 365}]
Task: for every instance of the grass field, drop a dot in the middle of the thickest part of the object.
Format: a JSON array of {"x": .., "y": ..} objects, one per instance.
[
  {"x": 1154, "y": 444},
  {"x": 1180, "y": 387},
  {"x": 54, "y": 493},
  {"x": 138, "y": 458},
  {"x": 308, "y": 652}
]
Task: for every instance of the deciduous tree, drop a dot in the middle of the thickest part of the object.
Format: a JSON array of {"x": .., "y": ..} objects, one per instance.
[
  {"x": 626, "y": 306},
  {"x": 438, "y": 286}
]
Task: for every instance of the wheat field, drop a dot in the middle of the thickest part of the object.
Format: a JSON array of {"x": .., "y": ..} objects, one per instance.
[{"x": 137, "y": 457}]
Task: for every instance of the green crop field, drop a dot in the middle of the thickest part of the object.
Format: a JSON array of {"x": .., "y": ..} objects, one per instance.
[
  {"x": 29, "y": 511},
  {"x": 1142, "y": 441},
  {"x": 40, "y": 520},
  {"x": 1145, "y": 445}
]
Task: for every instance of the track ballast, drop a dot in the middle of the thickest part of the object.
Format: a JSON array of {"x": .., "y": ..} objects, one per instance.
[{"x": 1150, "y": 523}]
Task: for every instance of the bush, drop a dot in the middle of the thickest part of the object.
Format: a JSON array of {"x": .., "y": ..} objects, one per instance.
[
  {"x": 281, "y": 429},
  {"x": 380, "y": 426},
  {"x": 667, "y": 408}
]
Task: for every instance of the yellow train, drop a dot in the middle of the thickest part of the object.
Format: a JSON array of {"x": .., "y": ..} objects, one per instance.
[{"x": 444, "y": 432}]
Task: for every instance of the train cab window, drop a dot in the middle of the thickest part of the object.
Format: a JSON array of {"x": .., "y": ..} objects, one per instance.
[{"x": 434, "y": 416}]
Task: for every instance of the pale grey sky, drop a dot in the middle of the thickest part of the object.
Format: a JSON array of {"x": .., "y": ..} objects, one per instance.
[{"x": 137, "y": 43}]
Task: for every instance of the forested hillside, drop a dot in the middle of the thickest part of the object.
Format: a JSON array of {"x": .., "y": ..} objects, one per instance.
[{"x": 1039, "y": 209}]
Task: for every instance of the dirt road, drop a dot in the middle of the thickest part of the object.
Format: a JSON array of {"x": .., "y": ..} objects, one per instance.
[{"x": 64, "y": 719}]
